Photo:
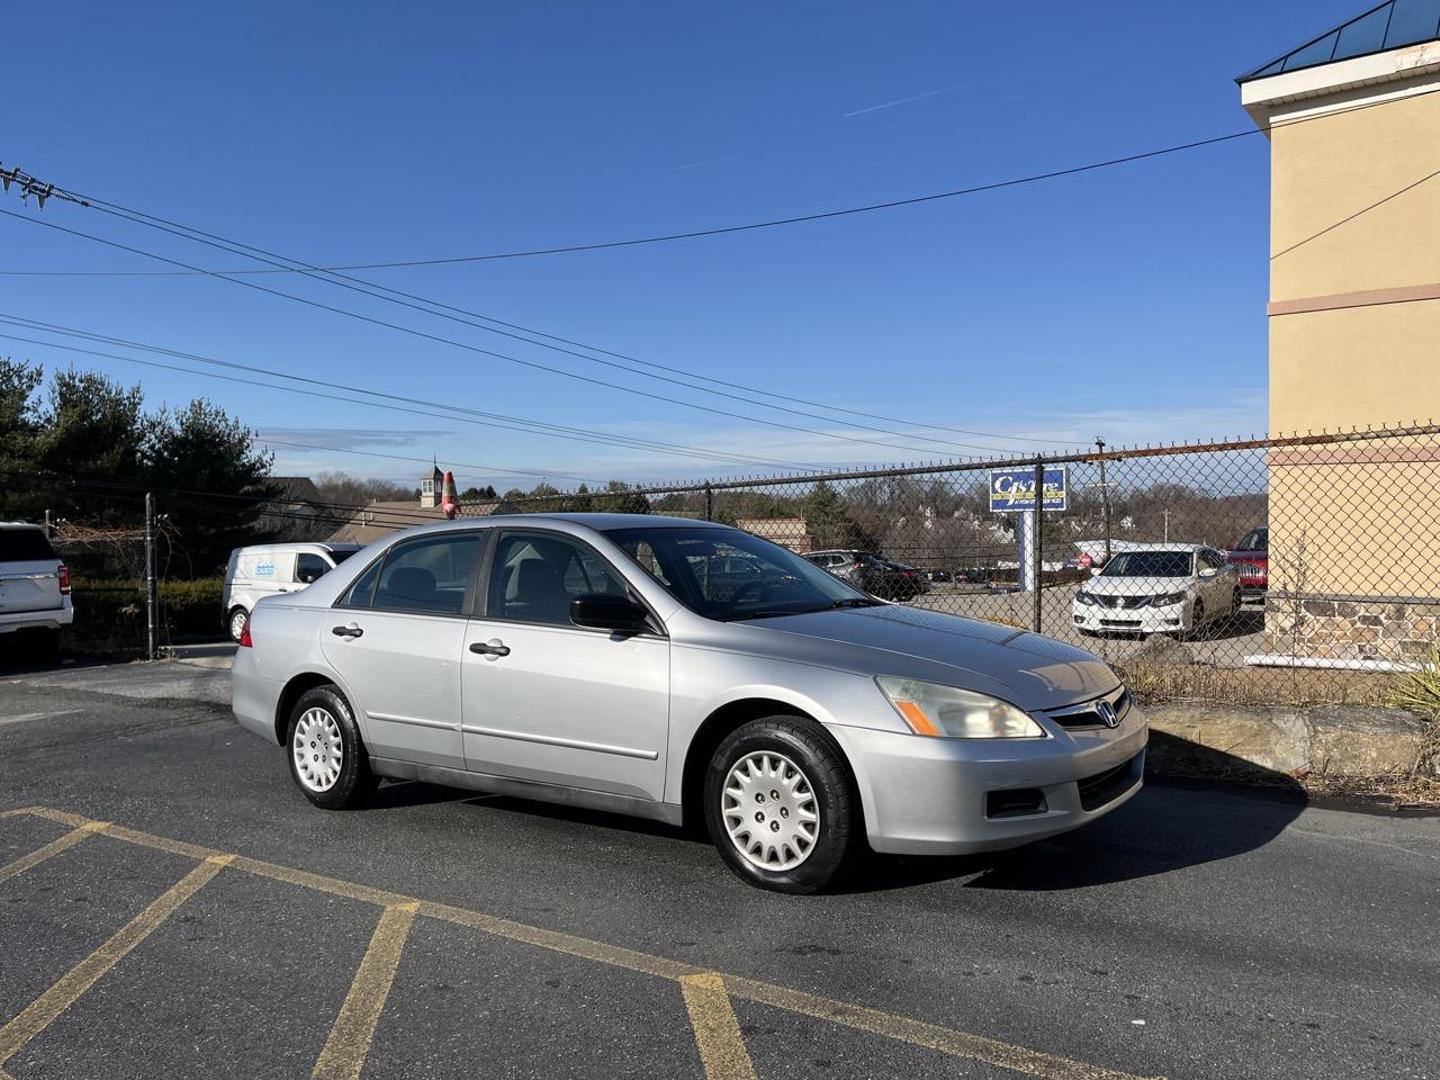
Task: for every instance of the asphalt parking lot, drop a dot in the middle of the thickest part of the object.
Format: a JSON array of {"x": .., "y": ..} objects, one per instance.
[{"x": 170, "y": 906}]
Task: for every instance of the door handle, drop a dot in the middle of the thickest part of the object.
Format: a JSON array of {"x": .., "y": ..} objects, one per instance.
[
  {"x": 493, "y": 647},
  {"x": 351, "y": 631}
]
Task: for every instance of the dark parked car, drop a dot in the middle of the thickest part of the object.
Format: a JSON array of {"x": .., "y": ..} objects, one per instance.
[
  {"x": 1251, "y": 559},
  {"x": 877, "y": 576}
]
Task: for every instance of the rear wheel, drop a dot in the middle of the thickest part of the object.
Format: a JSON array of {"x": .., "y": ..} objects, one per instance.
[
  {"x": 780, "y": 805},
  {"x": 327, "y": 759},
  {"x": 236, "y": 622}
]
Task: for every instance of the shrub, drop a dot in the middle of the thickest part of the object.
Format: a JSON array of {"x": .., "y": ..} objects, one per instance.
[
  {"x": 110, "y": 614},
  {"x": 1419, "y": 691}
]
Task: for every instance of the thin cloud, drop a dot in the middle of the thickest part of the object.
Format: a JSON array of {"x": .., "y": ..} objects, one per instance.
[
  {"x": 906, "y": 100},
  {"x": 351, "y": 438}
]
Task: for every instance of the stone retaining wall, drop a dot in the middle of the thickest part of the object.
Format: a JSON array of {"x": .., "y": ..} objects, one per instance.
[{"x": 1351, "y": 629}]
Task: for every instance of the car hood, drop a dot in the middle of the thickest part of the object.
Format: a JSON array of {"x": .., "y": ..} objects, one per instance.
[
  {"x": 1029, "y": 670},
  {"x": 1135, "y": 586}
]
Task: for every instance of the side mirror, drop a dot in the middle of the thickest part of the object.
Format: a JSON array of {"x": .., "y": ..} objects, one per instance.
[
  {"x": 606, "y": 611},
  {"x": 1209, "y": 572}
]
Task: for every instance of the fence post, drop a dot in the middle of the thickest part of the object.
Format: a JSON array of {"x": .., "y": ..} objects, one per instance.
[
  {"x": 151, "y": 614},
  {"x": 709, "y": 503},
  {"x": 1037, "y": 549},
  {"x": 1104, "y": 495}
]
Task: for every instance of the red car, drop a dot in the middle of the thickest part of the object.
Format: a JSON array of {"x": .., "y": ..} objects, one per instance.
[{"x": 1251, "y": 559}]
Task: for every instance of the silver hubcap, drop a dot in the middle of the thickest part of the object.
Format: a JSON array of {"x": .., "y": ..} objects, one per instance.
[
  {"x": 319, "y": 750},
  {"x": 237, "y": 624},
  {"x": 770, "y": 811}
]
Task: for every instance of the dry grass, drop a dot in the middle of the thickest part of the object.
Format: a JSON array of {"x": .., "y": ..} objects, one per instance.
[
  {"x": 1156, "y": 681},
  {"x": 1420, "y": 691}
]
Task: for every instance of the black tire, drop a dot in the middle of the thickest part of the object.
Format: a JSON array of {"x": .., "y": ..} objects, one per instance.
[
  {"x": 355, "y": 782},
  {"x": 1197, "y": 620},
  {"x": 230, "y": 621},
  {"x": 841, "y": 830}
]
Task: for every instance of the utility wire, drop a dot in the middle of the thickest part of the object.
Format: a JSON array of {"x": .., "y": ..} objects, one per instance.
[
  {"x": 462, "y": 415},
  {"x": 541, "y": 338},
  {"x": 1017, "y": 181},
  {"x": 474, "y": 348}
]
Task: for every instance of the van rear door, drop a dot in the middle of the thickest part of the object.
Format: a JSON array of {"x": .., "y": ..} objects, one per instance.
[{"x": 29, "y": 572}]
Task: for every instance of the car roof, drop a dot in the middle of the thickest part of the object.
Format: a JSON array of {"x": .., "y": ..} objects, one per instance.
[
  {"x": 1187, "y": 548},
  {"x": 597, "y": 522},
  {"x": 19, "y": 525}
]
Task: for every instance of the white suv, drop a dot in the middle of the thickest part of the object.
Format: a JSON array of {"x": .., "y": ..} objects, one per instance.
[{"x": 34, "y": 590}]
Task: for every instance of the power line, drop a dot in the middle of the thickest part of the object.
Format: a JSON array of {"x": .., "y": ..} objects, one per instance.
[
  {"x": 440, "y": 309},
  {"x": 976, "y": 189},
  {"x": 475, "y": 348},
  {"x": 796, "y": 219},
  {"x": 456, "y": 413}
]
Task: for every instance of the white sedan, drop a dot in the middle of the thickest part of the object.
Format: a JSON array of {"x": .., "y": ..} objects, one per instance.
[{"x": 1158, "y": 589}]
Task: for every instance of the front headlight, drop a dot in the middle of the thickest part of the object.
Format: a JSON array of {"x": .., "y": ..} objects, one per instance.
[
  {"x": 1085, "y": 598},
  {"x": 949, "y": 712},
  {"x": 1166, "y": 599}
]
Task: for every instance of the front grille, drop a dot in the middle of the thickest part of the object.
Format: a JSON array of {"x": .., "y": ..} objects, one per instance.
[
  {"x": 1088, "y": 716},
  {"x": 1104, "y": 787},
  {"x": 1017, "y": 802}
]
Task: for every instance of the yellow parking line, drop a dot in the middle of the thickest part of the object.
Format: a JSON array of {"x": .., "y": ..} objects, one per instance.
[
  {"x": 349, "y": 1042},
  {"x": 55, "y": 847},
  {"x": 717, "y": 1032},
  {"x": 41, "y": 1012},
  {"x": 565, "y": 943},
  {"x": 19, "y": 811},
  {"x": 944, "y": 1040}
]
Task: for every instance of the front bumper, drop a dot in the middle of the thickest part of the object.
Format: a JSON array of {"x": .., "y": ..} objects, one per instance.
[
  {"x": 926, "y": 796},
  {"x": 1173, "y": 618}
]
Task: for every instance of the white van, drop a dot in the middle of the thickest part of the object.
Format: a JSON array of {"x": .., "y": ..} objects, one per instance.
[{"x": 265, "y": 569}]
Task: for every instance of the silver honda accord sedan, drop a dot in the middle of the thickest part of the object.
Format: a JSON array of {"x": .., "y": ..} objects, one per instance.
[{"x": 687, "y": 672}]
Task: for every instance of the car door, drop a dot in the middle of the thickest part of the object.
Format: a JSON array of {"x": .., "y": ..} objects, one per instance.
[
  {"x": 548, "y": 701},
  {"x": 1220, "y": 584},
  {"x": 396, "y": 638}
]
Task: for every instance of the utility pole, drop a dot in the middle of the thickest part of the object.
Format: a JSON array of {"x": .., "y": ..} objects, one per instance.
[
  {"x": 1166, "y": 512},
  {"x": 1104, "y": 494},
  {"x": 152, "y": 650}
]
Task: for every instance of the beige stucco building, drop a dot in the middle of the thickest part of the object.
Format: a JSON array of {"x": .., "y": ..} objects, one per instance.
[{"x": 1353, "y": 119}]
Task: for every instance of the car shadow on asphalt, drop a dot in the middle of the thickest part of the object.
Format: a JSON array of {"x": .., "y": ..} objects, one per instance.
[{"x": 1224, "y": 808}]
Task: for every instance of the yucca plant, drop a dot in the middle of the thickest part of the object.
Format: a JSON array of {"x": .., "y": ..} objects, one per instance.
[{"x": 1419, "y": 691}]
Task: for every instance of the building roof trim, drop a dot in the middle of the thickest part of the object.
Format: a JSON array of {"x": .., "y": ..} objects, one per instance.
[{"x": 1393, "y": 24}]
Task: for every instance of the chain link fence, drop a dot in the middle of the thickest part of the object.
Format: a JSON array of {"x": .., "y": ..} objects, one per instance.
[{"x": 1291, "y": 571}]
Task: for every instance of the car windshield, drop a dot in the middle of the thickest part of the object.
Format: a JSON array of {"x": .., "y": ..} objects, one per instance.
[
  {"x": 1148, "y": 564},
  {"x": 727, "y": 574},
  {"x": 1255, "y": 540}
]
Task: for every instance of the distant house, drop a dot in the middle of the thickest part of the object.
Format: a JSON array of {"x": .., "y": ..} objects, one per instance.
[
  {"x": 379, "y": 519},
  {"x": 791, "y": 533},
  {"x": 296, "y": 499}
]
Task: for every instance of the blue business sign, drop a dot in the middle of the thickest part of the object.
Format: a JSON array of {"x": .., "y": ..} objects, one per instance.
[{"x": 1013, "y": 490}]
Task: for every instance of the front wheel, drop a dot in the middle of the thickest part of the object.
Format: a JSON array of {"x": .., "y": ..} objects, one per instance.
[
  {"x": 780, "y": 805},
  {"x": 327, "y": 759},
  {"x": 1197, "y": 619}
]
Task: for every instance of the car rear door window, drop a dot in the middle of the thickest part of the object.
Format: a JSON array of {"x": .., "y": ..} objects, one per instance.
[{"x": 429, "y": 575}]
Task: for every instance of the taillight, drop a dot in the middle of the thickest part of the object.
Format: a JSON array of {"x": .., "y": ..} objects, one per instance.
[
  {"x": 63, "y": 573},
  {"x": 245, "y": 640}
]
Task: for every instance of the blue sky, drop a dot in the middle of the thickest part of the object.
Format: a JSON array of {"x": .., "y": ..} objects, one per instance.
[{"x": 1127, "y": 302}]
